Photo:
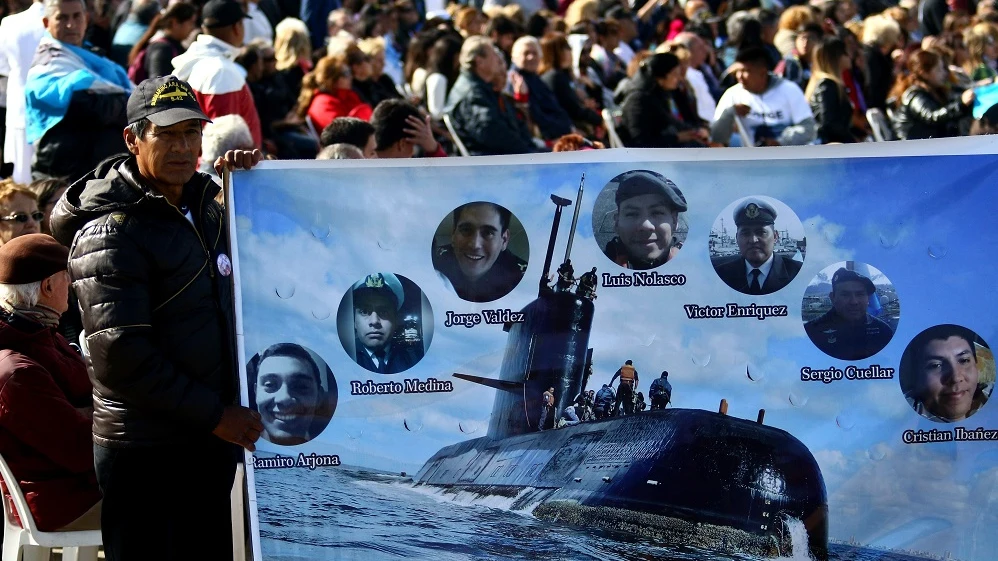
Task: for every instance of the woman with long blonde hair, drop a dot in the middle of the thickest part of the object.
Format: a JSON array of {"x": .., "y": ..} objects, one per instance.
[
  {"x": 826, "y": 91},
  {"x": 327, "y": 93},
  {"x": 982, "y": 52},
  {"x": 293, "y": 50}
]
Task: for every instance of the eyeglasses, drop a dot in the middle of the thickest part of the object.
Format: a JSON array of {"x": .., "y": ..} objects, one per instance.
[{"x": 23, "y": 218}]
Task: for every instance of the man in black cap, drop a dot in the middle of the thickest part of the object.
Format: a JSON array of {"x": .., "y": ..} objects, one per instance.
[
  {"x": 660, "y": 391},
  {"x": 377, "y": 305},
  {"x": 149, "y": 266},
  {"x": 756, "y": 269},
  {"x": 647, "y": 215},
  {"x": 477, "y": 262},
  {"x": 208, "y": 65},
  {"x": 848, "y": 331},
  {"x": 44, "y": 390}
]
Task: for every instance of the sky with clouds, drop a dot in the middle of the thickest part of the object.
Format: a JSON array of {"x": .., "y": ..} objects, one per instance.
[{"x": 305, "y": 234}]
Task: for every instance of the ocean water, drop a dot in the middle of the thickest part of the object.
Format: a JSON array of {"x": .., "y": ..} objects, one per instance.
[{"x": 345, "y": 514}]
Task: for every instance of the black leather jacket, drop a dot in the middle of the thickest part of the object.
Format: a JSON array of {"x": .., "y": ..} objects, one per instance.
[
  {"x": 832, "y": 112},
  {"x": 157, "y": 314},
  {"x": 920, "y": 115}
]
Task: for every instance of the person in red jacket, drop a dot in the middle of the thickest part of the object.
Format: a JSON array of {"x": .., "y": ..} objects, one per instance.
[
  {"x": 326, "y": 94},
  {"x": 45, "y": 394}
]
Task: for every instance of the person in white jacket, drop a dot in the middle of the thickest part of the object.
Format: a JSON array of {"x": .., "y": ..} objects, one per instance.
[
  {"x": 773, "y": 111},
  {"x": 20, "y": 34}
]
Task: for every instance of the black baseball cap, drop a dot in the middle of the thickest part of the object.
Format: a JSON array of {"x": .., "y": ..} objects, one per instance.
[
  {"x": 644, "y": 182},
  {"x": 165, "y": 101},
  {"x": 845, "y": 275},
  {"x": 220, "y": 13}
]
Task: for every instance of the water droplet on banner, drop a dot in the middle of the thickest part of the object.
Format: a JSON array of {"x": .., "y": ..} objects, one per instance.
[
  {"x": 285, "y": 290},
  {"x": 844, "y": 422},
  {"x": 651, "y": 340},
  {"x": 797, "y": 400},
  {"x": 320, "y": 312},
  {"x": 890, "y": 236},
  {"x": 701, "y": 359},
  {"x": 754, "y": 373},
  {"x": 877, "y": 453},
  {"x": 937, "y": 251},
  {"x": 387, "y": 243},
  {"x": 320, "y": 228}
]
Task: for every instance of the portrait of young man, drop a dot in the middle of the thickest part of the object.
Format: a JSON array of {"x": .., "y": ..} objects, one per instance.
[
  {"x": 942, "y": 373},
  {"x": 757, "y": 268},
  {"x": 286, "y": 388},
  {"x": 645, "y": 220},
  {"x": 386, "y": 328},
  {"x": 848, "y": 331},
  {"x": 478, "y": 263}
]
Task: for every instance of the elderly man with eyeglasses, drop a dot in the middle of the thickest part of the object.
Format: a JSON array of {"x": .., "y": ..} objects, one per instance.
[{"x": 19, "y": 214}]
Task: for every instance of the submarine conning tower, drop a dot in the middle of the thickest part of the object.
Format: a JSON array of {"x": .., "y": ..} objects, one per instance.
[{"x": 550, "y": 348}]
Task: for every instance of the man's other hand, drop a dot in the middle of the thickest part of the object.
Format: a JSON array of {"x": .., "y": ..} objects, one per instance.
[
  {"x": 238, "y": 159},
  {"x": 239, "y": 425}
]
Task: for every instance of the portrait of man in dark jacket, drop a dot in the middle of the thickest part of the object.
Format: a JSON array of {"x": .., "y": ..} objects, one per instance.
[{"x": 149, "y": 263}]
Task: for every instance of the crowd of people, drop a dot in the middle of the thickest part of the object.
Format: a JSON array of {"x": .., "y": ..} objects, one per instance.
[
  {"x": 500, "y": 77},
  {"x": 117, "y": 115}
]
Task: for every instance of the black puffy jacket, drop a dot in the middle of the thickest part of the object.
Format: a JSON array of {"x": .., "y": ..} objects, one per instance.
[
  {"x": 157, "y": 314},
  {"x": 920, "y": 115}
]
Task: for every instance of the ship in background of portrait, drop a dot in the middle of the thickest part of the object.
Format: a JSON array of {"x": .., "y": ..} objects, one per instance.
[{"x": 680, "y": 476}]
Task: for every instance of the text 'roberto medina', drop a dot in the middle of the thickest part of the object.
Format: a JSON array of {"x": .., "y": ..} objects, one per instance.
[
  {"x": 412, "y": 385},
  {"x": 310, "y": 461}
]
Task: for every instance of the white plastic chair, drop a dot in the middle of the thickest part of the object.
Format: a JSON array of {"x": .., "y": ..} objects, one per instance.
[
  {"x": 611, "y": 129},
  {"x": 28, "y": 543},
  {"x": 453, "y": 134},
  {"x": 311, "y": 128},
  {"x": 881, "y": 128},
  {"x": 742, "y": 132}
]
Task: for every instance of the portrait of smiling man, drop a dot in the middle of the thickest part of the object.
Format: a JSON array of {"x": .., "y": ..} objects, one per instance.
[
  {"x": 377, "y": 304},
  {"x": 287, "y": 391},
  {"x": 645, "y": 221},
  {"x": 757, "y": 269},
  {"x": 942, "y": 373},
  {"x": 477, "y": 262}
]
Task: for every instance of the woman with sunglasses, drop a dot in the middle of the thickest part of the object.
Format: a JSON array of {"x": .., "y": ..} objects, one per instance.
[{"x": 19, "y": 214}]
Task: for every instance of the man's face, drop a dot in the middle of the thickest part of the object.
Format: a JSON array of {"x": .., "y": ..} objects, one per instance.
[
  {"x": 370, "y": 149},
  {"x": 645, "y": 226},
  {"x": 488, "y": 65},
  {"x": 752, "y": 76},
  {"x": 167, "y": 156},
  {"x": 287, "y": 396},
  {"x": 698, "y": 52},
  {"x": 948, "y": 377},
  {"x": 478, "y": 239},
  {"x": 269, "y": 61},
  {"x": 68, "y": 23},
  {"x": 16, "y": 208},
  {"x": 374, "y": 319},
  {"x": 528, "y": 57},
  {"x": 755, "y": 243},
  {"x": 850, "y": 300}
]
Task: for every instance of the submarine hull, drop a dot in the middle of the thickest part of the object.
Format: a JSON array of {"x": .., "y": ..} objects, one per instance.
[{"x": 672, "y": 474}]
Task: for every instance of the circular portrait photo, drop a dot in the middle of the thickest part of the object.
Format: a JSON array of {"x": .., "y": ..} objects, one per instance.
[
  {"x": 294, "y": 391},
  {"x": 480, "y": 250},
  {"x": 385, "y": 323},
  {"x": 639, "y": 220},
  {"x": 850, "y": 310},
  {"x": 947, "y": 373},
  {"x": 757, "y": 245}
]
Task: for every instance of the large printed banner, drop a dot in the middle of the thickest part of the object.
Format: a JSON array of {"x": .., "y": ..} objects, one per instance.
[{"x": 688, "y": 354}]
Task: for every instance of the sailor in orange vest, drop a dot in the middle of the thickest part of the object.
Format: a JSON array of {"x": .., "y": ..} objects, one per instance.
[{"x": 625, "y": 392}]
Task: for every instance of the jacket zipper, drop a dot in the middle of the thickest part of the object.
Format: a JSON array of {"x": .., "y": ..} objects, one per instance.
[{"x": 207, "y": 254}]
